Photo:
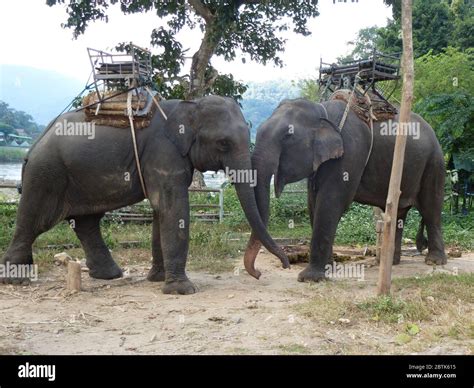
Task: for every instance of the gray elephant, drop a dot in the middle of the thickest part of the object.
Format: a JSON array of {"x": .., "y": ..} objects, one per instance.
[
  {"x": 79, "y": 178},
  {"x": 300, "y": 140}
]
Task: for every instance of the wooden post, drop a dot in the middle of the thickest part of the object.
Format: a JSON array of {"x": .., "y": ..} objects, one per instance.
[
  {"x": 73, "y": 277},
  {"x": 378, "y": 220},
  {"x": 391, "y": 207}
]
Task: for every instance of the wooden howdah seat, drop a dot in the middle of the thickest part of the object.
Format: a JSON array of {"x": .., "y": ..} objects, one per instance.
[
  {"x": 367, "y": 80},
  {"x": 115, "y": 76}
]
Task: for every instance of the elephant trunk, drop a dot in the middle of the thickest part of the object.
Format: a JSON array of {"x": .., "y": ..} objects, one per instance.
[
  {"x": 246, "y": 195},
  {"x": 262, "y": 194}
]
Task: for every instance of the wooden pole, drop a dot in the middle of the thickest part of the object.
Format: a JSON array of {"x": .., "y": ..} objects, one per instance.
[
  {"x": 391, "y": 207},
  {"x": 378, "y": 220},
  {"x": 73, "y": 277}
]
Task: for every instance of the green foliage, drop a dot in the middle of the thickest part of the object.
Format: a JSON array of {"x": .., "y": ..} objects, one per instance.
[
  {"x": 232, "y": 28},
  {"x": 452, "y": 117},
  {"x": 436, "y": 25},
  {"x": 11, "y": 119},
  {"x": 390, "y": 309},
  {"x": 11, "y": 155},
  {"x": 309, "y": 89},
  {"x": 450, "y": 71},
  {"x": 363, "y": 45}
]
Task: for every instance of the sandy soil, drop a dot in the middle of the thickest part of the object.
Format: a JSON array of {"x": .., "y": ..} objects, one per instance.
[{"x": 232, "y": 314}]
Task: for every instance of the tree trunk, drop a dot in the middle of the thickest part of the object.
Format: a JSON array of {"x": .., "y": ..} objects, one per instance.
[
  {"x": 391, "y": 208},
  {"x": 200, "y": 62}
]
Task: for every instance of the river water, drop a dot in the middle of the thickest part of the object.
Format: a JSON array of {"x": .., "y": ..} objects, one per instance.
[{"x": 12, "y": 172}]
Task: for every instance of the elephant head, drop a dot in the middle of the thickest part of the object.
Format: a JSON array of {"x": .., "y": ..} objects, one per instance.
[
  {"x": 214, "y": 135},
  {"x": 291, "y": 145}
]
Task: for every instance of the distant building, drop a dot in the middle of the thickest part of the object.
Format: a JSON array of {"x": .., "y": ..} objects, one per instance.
[{"x": 21, "y": 132}]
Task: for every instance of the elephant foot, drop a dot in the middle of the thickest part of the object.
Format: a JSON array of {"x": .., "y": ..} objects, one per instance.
[
  {"x": 181, "y": 287},
  {"x": 436, "y": 258},
  {"x": 396, "y": 259},
  {"x": 156, "y": 275},
  {"x": 19, "y": 281},
  {"x": 11, "y": 271},
  {"x": 105, "y": 272},
  {"x": 310, "y": 274}
]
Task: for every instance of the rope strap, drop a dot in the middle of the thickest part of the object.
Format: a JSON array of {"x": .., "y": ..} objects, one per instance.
[
  {"x": 156, "y": 102},
  {"x": 134, "y": 140},
  {"x": 371, "y": 116}
]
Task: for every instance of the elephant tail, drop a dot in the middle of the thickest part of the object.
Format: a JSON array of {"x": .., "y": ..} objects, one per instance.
[{"x": 421, "y": 240}]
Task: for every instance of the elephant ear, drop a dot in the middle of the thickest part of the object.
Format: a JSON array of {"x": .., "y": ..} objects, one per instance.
[
  {"x": 327, "y": 144},
  {"x": 181, "y": 125}
]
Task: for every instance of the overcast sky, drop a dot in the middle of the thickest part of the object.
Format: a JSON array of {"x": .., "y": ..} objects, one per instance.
[{"x": 31, "y": 35}]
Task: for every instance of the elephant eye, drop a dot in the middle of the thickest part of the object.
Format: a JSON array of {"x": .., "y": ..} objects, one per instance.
[{"x": 224, "y": 144}]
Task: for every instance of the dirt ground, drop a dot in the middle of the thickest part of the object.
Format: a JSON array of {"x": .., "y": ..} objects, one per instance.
[{"x": 231, "y": 314}]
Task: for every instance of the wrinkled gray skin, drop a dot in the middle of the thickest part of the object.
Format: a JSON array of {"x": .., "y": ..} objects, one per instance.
[
  {"x": 76, "y": 178},
  {"x": 334, "y": 164}
]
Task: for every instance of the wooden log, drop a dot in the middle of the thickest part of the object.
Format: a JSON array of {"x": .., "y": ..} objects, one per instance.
[
  {"x": 105, "y": 106},
  {"x": 391, "y": 208},
  {"x": 73, "y": 277}
]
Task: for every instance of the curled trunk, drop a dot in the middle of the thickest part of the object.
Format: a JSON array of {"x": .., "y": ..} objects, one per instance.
[
  {"x": 262, "y": 195},
  {"x": 247, "y": 200}
]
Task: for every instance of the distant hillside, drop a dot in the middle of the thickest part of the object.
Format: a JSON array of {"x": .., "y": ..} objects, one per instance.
[
  {"x": 41, "y": 93},
  {"x": 262, "y": 98}
]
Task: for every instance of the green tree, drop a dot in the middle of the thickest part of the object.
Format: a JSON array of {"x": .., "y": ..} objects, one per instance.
[
  {"x": 363, "y": 46},
  {"x": 11, "y": 119},
  {"x": 448, "y": 72},
  {"x": 463, "y": 33},
  {"x": 436, "y": 25},
  {"x": 229, "y": 27}
]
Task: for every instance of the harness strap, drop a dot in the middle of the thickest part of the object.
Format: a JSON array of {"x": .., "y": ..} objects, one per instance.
[
  {"x": 156, "y": 102},
  {"x": 348, "y": 106},
  {"x": 134, "y": 141},
  {"x": 371, "y": 121}
]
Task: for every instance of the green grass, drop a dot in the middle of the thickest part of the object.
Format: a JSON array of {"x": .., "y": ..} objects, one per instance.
[
  {"x": 391, "y": 309},
  {"x": 12, "y": 155},
  {"x": 440, "y": 286},
  {"x": 289, "y": 218},
  {"x": 427, "y": 307},
  {"x": 210, "y": 240}
]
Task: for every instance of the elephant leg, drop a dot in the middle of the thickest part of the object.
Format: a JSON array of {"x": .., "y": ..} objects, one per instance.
[
  {"x": 311, "y": 200},
  {"x": 324, "y": 230},
  {"x": 332, "y": 198},
  {"x": 173, "y": 207},
  {"x": 98, "y": 258},
  {"x": 35, "y": 216},
  {"x": 157, "y": 271},
  {"x": 430, "y": 205},
  {"x": 401, "y": 217}
]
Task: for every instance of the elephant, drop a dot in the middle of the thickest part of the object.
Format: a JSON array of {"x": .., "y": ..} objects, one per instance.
[
  {"x": 79, "y": 178},
  {"x": 301, "y": 140}
]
